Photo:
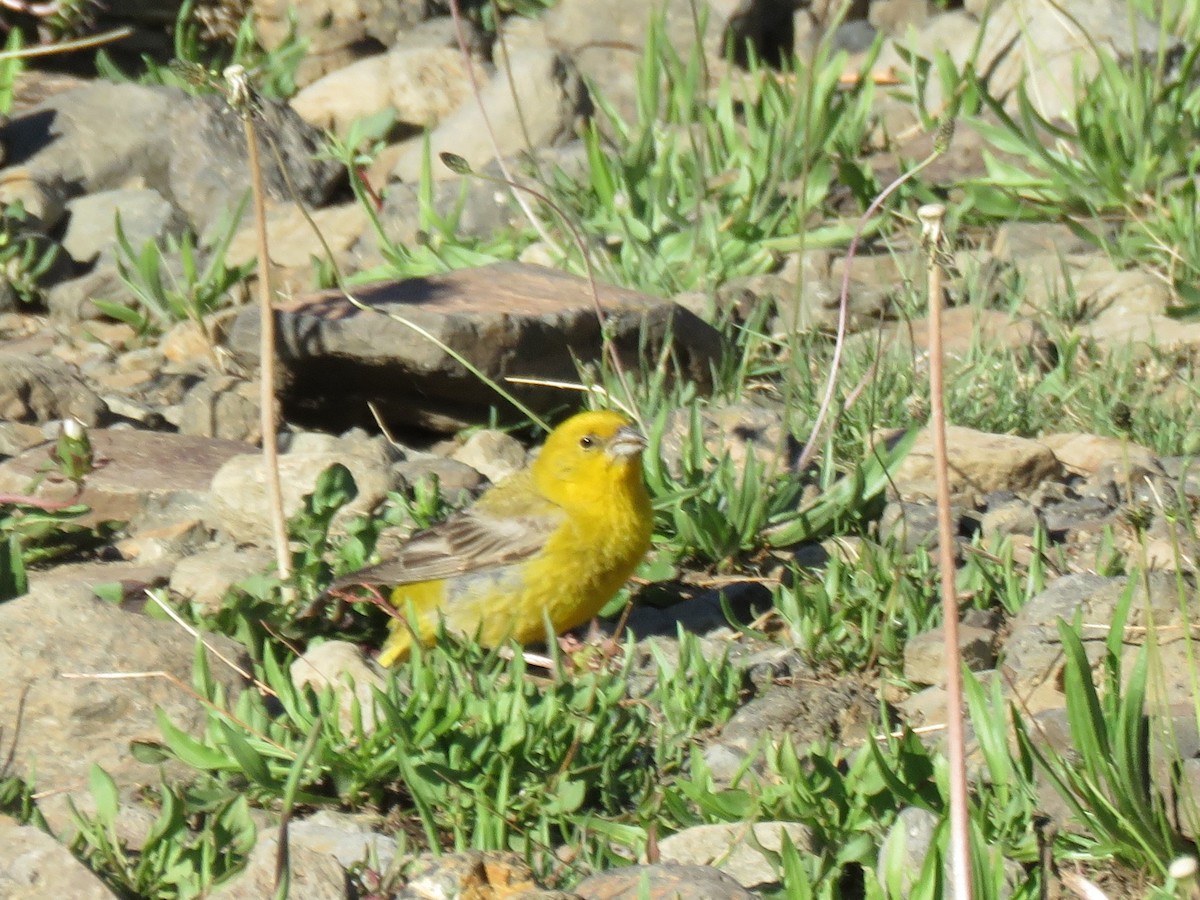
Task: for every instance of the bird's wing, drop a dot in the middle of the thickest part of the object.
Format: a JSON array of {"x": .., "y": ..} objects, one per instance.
[{"x": 506, "y": 525}]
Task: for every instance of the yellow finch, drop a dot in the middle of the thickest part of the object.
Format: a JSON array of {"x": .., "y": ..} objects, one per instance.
[{"x": 552, "y": 542}]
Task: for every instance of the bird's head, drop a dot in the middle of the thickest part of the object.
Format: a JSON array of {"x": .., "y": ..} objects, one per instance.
[{"x": 590, "y": 456}]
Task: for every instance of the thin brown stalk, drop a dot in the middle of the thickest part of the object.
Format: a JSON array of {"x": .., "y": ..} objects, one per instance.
[
  {"x": 960, "y": 848},
  {"x": 241, "y": 100},
  {"x": 460, "y": 37},
  {"x": 156, "y": 598},
  {"x": 83, "y": 43}
]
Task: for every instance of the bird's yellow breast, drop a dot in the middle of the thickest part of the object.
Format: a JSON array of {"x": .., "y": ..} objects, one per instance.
[{"x": 583, "y": 564}]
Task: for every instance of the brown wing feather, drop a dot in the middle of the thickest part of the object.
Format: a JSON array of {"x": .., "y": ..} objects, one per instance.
[{"x": 506, "y": 525}]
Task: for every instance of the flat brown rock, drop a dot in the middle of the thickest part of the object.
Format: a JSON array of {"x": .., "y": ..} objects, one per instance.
[
  {"x": 506, "y": 319},
  {"x": 133, "y": 469}
]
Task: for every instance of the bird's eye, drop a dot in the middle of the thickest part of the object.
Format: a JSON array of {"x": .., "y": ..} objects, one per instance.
[{"x": 586, "y": 441}]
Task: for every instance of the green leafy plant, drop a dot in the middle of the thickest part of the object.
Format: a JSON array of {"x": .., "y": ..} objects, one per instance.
[
  {"x": 464, "y": 742},
  {"x": 715, "y": 510},
  {"x": 1127, "y": 154},
  {"x": 163, "y": 295},
  {"x": 33, "y": 529},
  {"x": 705, "y": 185},
  {"x": 1109, "y": 789},
  {"x": 17, "y": 799},
  {"x": 439, "y": 247},
  {"x": 11, "y": 66},
  {"x": 190, "y": 848},
  {"x": 26, "y": 256},
  {"x": 196, "y": 54}
]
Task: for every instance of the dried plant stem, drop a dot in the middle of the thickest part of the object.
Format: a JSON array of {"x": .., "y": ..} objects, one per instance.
[
  {"x": 477, "y": 92},
  {"x": 942, "y": 143},
  {"x": 240, "y": 99},
  {"x": 960, "y": 847},
  {"x": 83, "y": 43}
]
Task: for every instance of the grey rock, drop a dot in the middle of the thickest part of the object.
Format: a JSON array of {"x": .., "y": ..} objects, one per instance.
[
  {"x": 71, "y": 300},
  {"x": 597, "y": 44},
  {"x": 335, "y": 32},
  {"x": 470, "y": 872},
  {"x": 347, "y": 837},
  {"x": 703, "y": 614},
  {"x": 911, "y": 525},
  {"x": 550, "y": 97},
  {"x": 1049, "y": 493},
  {"x": 422, "y": 85},
  {"x": 1014, "y": 517},
  {"x": 131, "y": 577},
  {"x": 1032, "y": 42},
  {"x": 222, "y": 406},
  {"x": 844, "y": 709},
  {"x": 40, "y": 389},
  {"x": 33, "y": 865},
  {"x": 204, "y": 578},
  {"x": 979, "y": 463},
  {"x": 1050, "y": 731},
  {"x": 240, "y": 497},
  {"x": 478, "y": 207},
  {"x": 1033, "y": 658},
  {"x": 662, "y": 881},
  {"x": 1174, "y": 741},
  {"x": 724, "y": 762},
  {"x": 91, "y": 240},
  {"x": 190, "y": 150},
  {"x": 43, "y": 198},
  {"x": 66, "y": 726},
  {"x": 149, "y": 544},
  {"x": 1189, "y": 793},
  {"x": 315, "y": 874},
  {"x": 904, "y": 850},
  {"x": 507, "y": 319},
  {"x": 493, "y": 454},
  {"x": 1086, "y": 513},
  {"x": 209, "y": 172},
  {"x": 815, "y": 304},
  {"x": 456, "y": 480},
  {"x": 740, "y": 430},
  {"x": 853, "y": 36},
  {"x": 1032, "y": 649},
  {"x": 965, "y": 329},
  {"x": 925, "y": 653},
  {"x": 16, "y": 437},
  {"x": 71, "y": 138},
  {"x": 299, "y": 235},
  {"x": 1047, "y": 47},
  {"x": 895, "y": 17},
  {"x": 91, "y": 233},
  {"x": 341, "y": 666},
  {"x": 730, "y": 848},
  {"x": 1052, "y": 242}
]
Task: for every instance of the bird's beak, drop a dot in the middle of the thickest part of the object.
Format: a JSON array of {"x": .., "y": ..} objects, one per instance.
[{"x": 628, "y": 441}]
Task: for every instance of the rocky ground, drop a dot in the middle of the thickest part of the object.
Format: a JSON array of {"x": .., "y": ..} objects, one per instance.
[{"x": 173, "y": 418}]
